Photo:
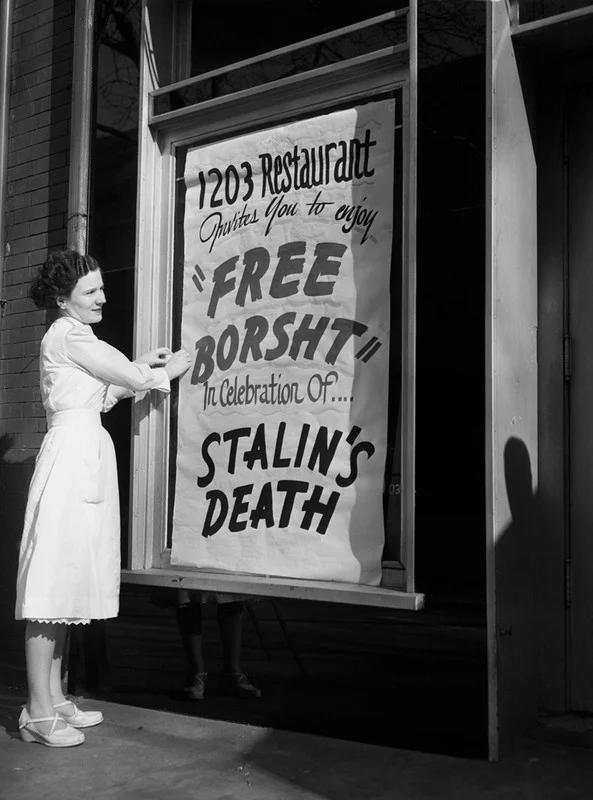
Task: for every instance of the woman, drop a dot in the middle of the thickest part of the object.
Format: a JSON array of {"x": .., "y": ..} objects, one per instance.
[{"x": 69, "y": 556}]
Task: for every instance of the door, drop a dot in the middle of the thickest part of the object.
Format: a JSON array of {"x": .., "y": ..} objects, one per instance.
[
  {"x": 580, "y": 315},
  {"x": 511, "y": 392}
]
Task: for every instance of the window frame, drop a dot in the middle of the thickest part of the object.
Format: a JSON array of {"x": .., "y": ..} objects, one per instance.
[{"x": 304, "y": 94}]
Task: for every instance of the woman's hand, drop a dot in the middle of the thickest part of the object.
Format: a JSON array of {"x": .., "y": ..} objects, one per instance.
[
  {"x": 178, "y": 364},
  {"x": 155, "y": 358}
]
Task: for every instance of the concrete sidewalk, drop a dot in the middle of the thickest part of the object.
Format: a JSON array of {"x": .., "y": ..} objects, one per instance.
[{"x": 142, "y": 753}]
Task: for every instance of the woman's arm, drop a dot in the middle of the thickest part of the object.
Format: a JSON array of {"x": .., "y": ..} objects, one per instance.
[
  {"x": 154, "y": 358},
  {"x": 110, "y": 365},
  {"x": 114, "y": 394}
]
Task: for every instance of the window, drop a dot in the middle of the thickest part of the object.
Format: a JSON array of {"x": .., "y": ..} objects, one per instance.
[{"x": 358, "y": 69}]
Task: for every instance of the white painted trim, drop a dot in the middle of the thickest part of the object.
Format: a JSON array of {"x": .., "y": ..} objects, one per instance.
[
  {"x": 408, "y": 388},
  {"x": 151, "y": 329},
  {"x": 270, "y": 586},
  {"x": 80, "y": 126},
  {"x": 489, "y": 314},
  {"x": 296, "y": 91},
  {"x": 6, "y": 14}
]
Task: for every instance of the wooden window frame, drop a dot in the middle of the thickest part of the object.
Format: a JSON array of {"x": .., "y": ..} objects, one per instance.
[{"x": 306, "y": 93}]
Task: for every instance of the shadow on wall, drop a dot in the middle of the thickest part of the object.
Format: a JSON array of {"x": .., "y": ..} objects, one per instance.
[
  {"x": 14, "y": 480},
  {"x": 519, "y": 485},
  {"x": 517, "y": 624}
]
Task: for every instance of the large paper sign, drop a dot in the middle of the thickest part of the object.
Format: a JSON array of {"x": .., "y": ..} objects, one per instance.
[{"x": 282, "y": 422}]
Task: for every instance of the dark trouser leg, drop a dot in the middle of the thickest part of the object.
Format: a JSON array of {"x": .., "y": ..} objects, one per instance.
[
  {"x": 189, "y": 622},
  {"x": 230, "y": 623},
  {"x": 230, "y": 620}
]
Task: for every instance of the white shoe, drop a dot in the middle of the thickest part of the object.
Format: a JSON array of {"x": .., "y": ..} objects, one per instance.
[
  {"x": 78, "y": 718},
  {"x": 57, "y": 737}
]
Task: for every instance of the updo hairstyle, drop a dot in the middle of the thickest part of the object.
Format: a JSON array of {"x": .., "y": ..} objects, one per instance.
[{"x": 58, "y": 276}]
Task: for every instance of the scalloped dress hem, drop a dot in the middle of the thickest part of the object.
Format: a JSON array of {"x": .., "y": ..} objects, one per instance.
[{"x": 62, "y": 621}]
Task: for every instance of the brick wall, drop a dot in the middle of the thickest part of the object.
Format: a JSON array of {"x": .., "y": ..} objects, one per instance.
[{"x": 36, "y": 208}]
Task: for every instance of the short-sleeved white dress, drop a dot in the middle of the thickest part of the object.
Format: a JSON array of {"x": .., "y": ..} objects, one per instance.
[{"x": 69, "y": 564}]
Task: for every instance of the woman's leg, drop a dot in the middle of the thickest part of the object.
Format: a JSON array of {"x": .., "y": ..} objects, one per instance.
[
  {"x": 40, "y": 651},
  {"x": 67, "y": 708},
  {"x": 55, "y": 677}
]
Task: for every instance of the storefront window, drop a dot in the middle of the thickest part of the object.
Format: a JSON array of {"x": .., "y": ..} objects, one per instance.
[
  {"x": 187, "y": 115},
  {"x": 277, "y": 246}
]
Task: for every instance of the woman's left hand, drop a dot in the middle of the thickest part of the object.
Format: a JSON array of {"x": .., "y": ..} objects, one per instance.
[{"x": 155, "y": 358}]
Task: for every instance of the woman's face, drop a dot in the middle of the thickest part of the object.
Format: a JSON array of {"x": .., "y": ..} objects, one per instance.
[{"x": 86, "y": 299}]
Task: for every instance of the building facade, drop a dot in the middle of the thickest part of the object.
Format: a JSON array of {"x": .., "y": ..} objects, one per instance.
[{"x": 485, "y": 490}]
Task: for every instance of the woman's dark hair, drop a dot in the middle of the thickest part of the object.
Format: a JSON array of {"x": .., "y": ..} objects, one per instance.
[{"x": 59, "y": 275}]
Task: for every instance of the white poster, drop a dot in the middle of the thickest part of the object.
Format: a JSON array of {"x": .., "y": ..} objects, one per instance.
[{"x": 282, "y": 422}]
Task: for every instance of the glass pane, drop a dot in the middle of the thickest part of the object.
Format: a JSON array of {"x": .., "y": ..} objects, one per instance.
[
  {"x": 531, "y": 10},
  {"x": 450, "y": 480},
  {"x": 356, "y": 43},
  {"x": 449, "y": 32},
  {"x": 118, "y": 57},
  {"x": 250, "y": 29}
]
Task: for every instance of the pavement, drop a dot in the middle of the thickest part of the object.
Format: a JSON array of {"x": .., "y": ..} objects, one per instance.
[
  {"x": 146, "y": 753},
  {"x": 356, "y": 705}
]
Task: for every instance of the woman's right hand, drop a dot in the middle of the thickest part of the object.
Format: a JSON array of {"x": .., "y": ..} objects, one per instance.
[{"x": 178, "y": 364}]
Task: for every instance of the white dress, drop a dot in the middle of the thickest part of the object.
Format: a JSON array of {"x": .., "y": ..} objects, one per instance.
[{"x": 69, "y": 563}]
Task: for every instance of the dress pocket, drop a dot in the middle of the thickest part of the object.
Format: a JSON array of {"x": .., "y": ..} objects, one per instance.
[{"x": 92, "y": 478}]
